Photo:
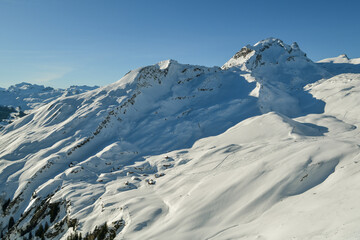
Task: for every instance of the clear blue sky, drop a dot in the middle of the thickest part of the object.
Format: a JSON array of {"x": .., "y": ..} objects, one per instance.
[{"x": 76, "y": 42}]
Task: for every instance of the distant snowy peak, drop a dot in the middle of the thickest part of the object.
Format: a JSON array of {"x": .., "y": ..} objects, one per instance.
[
  {"x": 19, "y": 99},
  {"x": 341, "y": 64},
  {"x": 28, "y": 96},
  {"x": 270, "y": 51},
  {"x": 343, "y": 58},
  {"x": 28, "y": 87},
  {"x": 73, "y": 90}
]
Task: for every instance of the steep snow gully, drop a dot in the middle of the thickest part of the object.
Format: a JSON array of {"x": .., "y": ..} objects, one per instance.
[{"x": 265, "y": 147}]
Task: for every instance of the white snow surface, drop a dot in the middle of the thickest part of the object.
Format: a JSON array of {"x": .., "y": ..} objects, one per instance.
[{"x": 257, "y": 149}]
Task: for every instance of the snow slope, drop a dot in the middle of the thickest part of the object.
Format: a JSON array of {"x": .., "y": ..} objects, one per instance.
[{"x": 261, "y": 148}]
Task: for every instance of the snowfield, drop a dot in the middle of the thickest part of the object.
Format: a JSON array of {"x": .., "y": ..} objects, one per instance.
[{"x": 265, "y": 147}]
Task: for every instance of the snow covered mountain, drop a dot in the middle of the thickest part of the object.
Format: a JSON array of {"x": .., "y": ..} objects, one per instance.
[
  {"x": 343, "y": 58},
  {"x": 281, "y": 71},
  {"x": 19, "y": 99},
  {"x": 341, "y": 64},
  {"x": 261, "y": 148}
]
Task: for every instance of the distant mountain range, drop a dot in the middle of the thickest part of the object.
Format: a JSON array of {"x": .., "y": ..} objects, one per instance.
[{"x": 24, "y": 97}]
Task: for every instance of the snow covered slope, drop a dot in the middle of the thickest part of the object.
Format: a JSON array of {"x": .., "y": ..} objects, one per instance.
[{"x": 261, "y": 148}]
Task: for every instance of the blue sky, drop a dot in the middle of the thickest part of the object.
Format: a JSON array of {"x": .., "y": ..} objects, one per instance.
[{"x": 87, "y": 42}]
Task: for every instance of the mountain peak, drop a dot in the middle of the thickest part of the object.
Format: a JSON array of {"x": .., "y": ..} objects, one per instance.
[
  {"x": 268, "y": 51},
  {"x": 166, "y": 63},
  {"x": 269, "y": 41},
  {"x": 343, "y": 56}
]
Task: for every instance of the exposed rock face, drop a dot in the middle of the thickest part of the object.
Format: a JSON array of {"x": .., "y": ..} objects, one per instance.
[{"x": 266, "y": 52}]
